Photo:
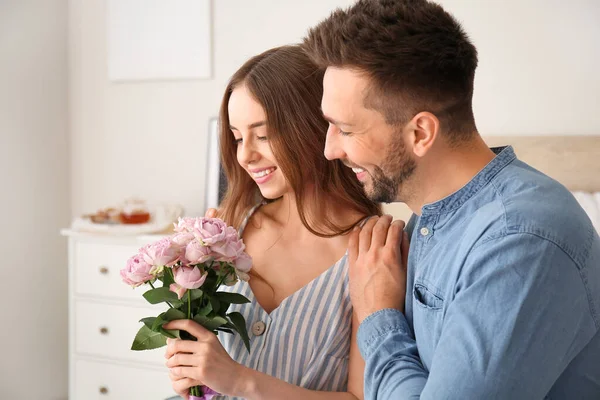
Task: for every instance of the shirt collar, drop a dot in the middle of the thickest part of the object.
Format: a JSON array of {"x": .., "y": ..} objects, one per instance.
[{"x": 504, "y": 156}]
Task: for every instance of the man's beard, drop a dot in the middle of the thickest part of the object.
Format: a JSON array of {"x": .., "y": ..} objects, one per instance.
[{"x": 396, "y": 168}]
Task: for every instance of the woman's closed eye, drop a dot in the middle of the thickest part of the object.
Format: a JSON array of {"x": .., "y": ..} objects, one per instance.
[
  {"x": 344, "y": 133},
  {"x": 259, "y": 138}
]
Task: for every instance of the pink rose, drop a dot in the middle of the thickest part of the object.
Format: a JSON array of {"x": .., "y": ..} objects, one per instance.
[
  {"x": 230, "y": 279},
  {"x": 232, "y": 273},
  {"x": 137, "y": 271},
  {"x": 175, "y": 288},
  {"x": 161, "y": 253},
  {"x": 185, "y": 224},
  {"x": 243, "y": 276},
  {"x": 189, "y": 277},
  {"x": 210, "y": 231},
  {"x": 243, "y": 263},
  {"x": 196, "y": 253},
  {"x": 230, "y": 247},
  {"x": 182, "y": 239}
]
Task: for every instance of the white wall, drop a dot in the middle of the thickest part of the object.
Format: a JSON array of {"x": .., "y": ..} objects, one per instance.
[
  {"x": 538, "y": 65},
  {"x": 34, "y": 203},
  {"x": 537, "y": 75},
  {"x": 125, "y": 136}
]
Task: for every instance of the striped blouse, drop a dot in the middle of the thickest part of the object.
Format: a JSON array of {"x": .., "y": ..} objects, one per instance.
[{"x": 305, "y": 341}]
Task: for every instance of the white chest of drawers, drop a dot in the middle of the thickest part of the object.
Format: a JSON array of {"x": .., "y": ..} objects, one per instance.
[{"x": 104, "y": 316}]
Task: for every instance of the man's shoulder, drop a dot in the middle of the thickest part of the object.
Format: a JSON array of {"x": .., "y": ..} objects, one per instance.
[{"x": 525, "y": 201}]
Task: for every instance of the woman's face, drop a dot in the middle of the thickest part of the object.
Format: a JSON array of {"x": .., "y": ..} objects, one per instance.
[{"x": 247, "y": 121}]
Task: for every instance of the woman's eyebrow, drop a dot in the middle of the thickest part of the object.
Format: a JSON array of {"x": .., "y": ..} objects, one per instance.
[{"x": 251, "y": 126}]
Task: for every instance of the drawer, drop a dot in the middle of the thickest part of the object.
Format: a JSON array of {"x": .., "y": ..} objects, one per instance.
[
  {"x": 107, "y": 330},
  {"x": 97, "y": 267},
  {"x": 104, "y": 381}
]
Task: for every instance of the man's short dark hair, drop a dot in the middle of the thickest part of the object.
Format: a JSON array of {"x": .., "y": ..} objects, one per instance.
[{"x": 416, "y": 55}]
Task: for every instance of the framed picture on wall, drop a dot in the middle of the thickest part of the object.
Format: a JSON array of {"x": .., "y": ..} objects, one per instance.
[
  {"x": 158, "y": 39},
  {"x": 216, "y": 182}
]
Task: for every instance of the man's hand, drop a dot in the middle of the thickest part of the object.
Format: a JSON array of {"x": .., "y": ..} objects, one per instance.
[{"x": 377, "y": 255}]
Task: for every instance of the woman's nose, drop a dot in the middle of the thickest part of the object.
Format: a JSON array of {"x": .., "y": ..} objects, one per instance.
[{"x": 247, "y": 153}]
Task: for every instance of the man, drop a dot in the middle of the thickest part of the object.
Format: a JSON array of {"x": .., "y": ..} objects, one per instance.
[{"x": 503, "y": 275}]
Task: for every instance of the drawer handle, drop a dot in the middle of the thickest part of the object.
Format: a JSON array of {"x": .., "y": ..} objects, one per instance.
[
  {"x": 104, "y": 270},
  {"x": 104, "y": 330},
  {"x": 103, "y": 390}
]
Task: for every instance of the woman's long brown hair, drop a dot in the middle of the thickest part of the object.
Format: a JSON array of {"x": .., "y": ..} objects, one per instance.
[{"x": 289, "y": 87}]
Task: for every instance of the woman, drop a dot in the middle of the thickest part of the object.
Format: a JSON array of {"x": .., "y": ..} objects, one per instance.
[{"x": 294, "y": 210}]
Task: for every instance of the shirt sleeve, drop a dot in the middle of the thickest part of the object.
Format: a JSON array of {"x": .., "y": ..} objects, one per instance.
[{"x": 518, "y": 317}]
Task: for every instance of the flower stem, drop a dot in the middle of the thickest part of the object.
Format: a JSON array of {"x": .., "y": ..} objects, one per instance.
[
  {"x": 170, "y": 305},
  {"x": 189, "y": 314}
]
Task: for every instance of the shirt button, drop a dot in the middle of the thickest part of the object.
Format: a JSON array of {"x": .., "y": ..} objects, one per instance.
[
  {"x": 258, "y": 328},
  {"x": 424, "y": 231}
]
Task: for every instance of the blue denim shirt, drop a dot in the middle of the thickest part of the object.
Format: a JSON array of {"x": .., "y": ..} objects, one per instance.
[{"x": 503, "y": 298}]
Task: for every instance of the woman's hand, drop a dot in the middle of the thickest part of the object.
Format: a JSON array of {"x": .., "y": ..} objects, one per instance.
[
  {"x": 211, "y": 213},
  {"x": 182, "y": 385},
  {"x": 202, "y": 362}
]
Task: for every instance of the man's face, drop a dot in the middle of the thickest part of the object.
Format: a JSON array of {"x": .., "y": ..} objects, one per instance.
[{"x": 361, "y": 137}]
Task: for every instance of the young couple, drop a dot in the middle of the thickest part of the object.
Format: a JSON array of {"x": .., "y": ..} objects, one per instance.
[{"x": 499, "y": 295}]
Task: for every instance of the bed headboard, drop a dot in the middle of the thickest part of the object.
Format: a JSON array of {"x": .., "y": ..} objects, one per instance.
[{"x": 574, "y": 161}]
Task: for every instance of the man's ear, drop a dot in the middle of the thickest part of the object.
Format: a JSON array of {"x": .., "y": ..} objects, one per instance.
[{"x": 424, "y": 130}]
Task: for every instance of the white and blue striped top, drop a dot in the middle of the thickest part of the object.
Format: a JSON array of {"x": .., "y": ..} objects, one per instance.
[{"x": 306, "y": 340}]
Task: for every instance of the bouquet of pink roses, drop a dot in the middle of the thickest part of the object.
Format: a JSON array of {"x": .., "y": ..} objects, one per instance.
[{"x": 191, "y": 264}]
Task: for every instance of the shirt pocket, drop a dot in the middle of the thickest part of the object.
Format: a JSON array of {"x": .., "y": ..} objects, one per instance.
[
  {"x": 428, "y": 318},
  {"x": 427, "y": 296}
]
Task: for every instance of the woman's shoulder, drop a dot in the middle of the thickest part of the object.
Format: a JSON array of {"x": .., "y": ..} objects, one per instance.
[{"x": 253, "y": 217}]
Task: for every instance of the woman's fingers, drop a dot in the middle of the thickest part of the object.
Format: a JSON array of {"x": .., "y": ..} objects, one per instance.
[
  {"x": 211, "y": 213},
  {"x": 180, "y": 346},
  {"x": 181, "y": 360}
]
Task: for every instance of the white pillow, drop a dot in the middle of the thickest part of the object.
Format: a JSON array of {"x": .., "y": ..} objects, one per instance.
[{"x": 590, "y": 202}]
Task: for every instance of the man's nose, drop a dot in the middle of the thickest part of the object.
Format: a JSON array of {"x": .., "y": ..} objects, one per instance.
[{"x": 333, "y": 151}]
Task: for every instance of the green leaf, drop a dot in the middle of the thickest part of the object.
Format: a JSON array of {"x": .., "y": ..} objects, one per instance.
[
  {"x": 215, "y": 303},
  {"x": 167, "y": 278},
  {"x": 231, "y": 326},
  {"x": 159, "y": 295},
  {"x": 172, "y": 314},
  {"x": 223, "y": 309},
  {"x": 158, "y": 323},
  {"x": 146, "y": 339},
  {"x": 232, "y": 298},
  {"x": 204, "y": 311},
  {"x": 170, "y": 333},
  {"x": 148, "y": 321},
  {"x": 196, "y": 294},
  {"x": 240, "y": 324},
  {"x": 210, "y": 323},
  {"x": 210, "y": 283},
  {"x": 225, "y": 330}
]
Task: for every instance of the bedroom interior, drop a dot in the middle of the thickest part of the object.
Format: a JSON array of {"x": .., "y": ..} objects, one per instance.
[{"x": 76, "y": 144}]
